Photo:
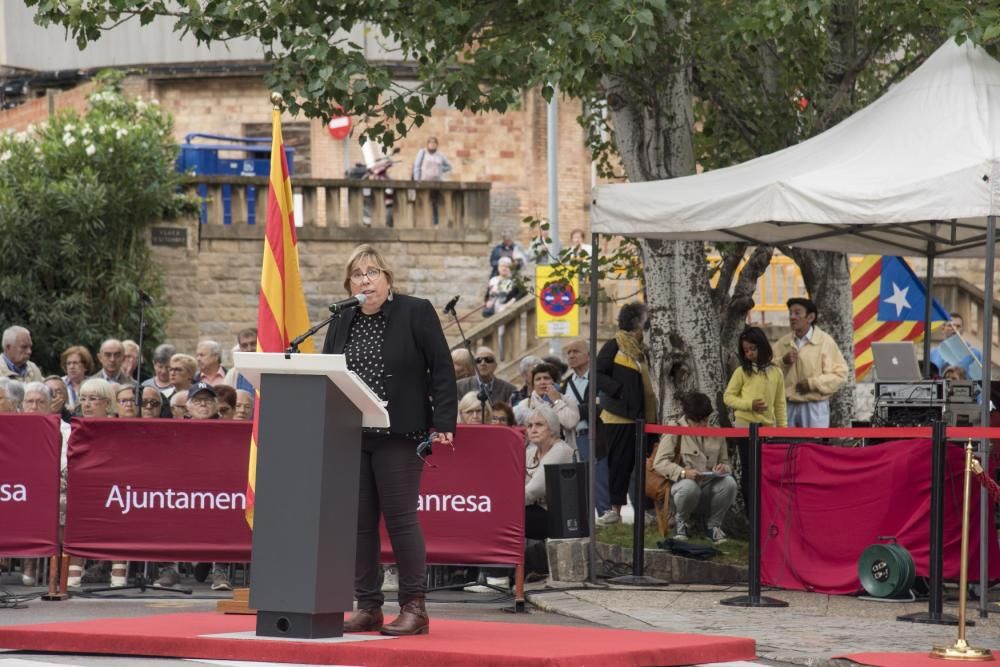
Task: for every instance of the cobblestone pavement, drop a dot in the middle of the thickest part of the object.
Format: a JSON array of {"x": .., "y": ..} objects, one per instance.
[{"x": 810, "y": 631}]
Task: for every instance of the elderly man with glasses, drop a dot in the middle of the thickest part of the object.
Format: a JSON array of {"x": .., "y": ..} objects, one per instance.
[
  {"x": 496, "y": 389},
  {"x": 111, "y": 357}
]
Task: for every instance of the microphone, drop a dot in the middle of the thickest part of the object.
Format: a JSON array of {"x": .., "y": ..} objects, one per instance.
[
  {"x": 450, "y": 306},
  {"x": 145, "y": 298},
  {"x": 344, "y": 304}
]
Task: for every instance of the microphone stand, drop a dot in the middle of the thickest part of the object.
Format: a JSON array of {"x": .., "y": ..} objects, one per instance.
[
  {"x": 482, "y": 395},
  {"x": 138, "y": 361},
  {"x": 293, "y": 346}
]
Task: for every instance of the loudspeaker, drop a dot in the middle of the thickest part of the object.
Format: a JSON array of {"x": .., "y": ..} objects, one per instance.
[{"x": 566, "y": 494}]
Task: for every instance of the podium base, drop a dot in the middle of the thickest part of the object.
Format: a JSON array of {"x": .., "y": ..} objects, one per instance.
[{"x": 297, "y": 625}]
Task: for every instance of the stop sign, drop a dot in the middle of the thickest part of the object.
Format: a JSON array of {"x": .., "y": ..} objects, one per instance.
[{"x": 339, "y": 127}]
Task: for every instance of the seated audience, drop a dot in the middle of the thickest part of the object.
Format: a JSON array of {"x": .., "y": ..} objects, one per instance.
[
  {"x": 125, "y": 398},
  {"x": 226, "y": 396},
  {"x": 502, "y": 289},
  {"x": 545, "y": 447},
  {"x": 178, "y": 405},
  {"x": 202, "y": 401},
  {"x": 78, "y": 365},
  {"x": 462, "y": 360},
  {"x": 699, "y": 468},
  {"x": 503, "y": 414},
  {"x": 16, "y": 357},
  {"x": 183, "y": 369},
  {"x": 11, "y": 395},
  {"x": 495, "y": 388},
  {"x": 37, "y": 399},
  {"x": 525, "y": 367},
  {"x": 545, "y": 391},
  {"x": 60, "y": 396},
  {"x": 161, "y": 370},
  {"x": 470, "y": 410},
  {"x": 244, "y": 405},
  {"x": 153, "y": 404},
  {"x": 111, "y": 356}
]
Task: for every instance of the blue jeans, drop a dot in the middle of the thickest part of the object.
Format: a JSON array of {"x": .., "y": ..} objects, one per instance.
[{"x": 602, "y": 500}]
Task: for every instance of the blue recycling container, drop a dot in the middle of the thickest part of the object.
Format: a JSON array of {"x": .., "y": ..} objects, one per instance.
[{"x": 252, "y": 158}]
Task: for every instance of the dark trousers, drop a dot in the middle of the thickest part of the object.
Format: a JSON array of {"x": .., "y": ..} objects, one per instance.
[
  {"x": 536, "y": 522},
  {"x": 621, "y": 460},
  {"x": 390, "y": 482}
]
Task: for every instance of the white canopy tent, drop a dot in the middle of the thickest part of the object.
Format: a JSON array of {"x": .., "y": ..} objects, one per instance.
[{"x": 916, "y": 173}]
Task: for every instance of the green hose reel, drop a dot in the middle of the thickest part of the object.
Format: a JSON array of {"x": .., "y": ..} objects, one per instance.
[{"x": 887, "y": 570}]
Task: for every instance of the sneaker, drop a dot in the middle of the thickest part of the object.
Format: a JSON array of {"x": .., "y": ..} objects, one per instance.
[
  {"x": 390, "y": 581},
  {"x": 499, "y": 582},
  {"x": 28, "y": 580},
  {"x": 478, "y": 588},
  {"x": 716, "y": 535},
  {"x": 220, "y": 580},
  {"x": 168, "y": 578},
  {"x": 609, "y": 518},
  {"x": 681, "y": 531}
]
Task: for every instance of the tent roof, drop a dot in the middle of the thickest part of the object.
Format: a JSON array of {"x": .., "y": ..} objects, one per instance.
[{"x": 918, "y": 166}]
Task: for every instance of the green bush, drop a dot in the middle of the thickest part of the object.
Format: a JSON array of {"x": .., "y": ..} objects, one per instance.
[{"x": 76, "y": 196}]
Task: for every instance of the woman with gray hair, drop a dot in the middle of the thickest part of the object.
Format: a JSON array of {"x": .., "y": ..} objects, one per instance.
[
  {"x": 544, "y": 448},
  {"x": 11, "y": 395}
]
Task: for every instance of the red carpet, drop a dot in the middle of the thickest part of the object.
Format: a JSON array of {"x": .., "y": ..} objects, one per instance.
[
  {"x": 907, "y": 660},
  {"x": 459, "y": 643}
]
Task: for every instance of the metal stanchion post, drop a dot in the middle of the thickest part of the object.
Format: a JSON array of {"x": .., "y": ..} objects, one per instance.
[
  {"x": 753, "y": 598},
  {"x": 961, "y": 650},
  {"x": 637, "y": 578},
  {"x": 935, "y": 599}
]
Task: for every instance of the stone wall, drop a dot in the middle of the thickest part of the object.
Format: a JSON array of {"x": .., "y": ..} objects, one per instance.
[{"x": 213, "y": 281}]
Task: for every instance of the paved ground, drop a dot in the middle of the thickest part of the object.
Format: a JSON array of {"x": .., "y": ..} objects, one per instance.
[{"x": 812, "y": 630}]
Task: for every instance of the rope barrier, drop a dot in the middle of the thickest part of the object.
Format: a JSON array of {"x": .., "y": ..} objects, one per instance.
[
  {"x": 953, "y": 432},
  {"x": 990, "y": 485}
]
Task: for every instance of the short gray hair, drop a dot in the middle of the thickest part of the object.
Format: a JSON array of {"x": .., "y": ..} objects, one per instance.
[
  {"x": 14, "y": 389},
  {"x": 550, "y": 417},
  {"x": 528, "y": 363},
  {"x": 162, "y": 353},
  {"x": 212, "y": 346},
  {"x": 10, "y": 334},
  {"x": 39, "y": 387}
]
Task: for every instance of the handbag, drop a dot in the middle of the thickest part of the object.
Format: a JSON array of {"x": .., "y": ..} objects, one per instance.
[{"x": 658, "y": 487}]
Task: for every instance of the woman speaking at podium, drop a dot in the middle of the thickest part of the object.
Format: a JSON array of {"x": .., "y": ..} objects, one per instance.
[{"x": 395, "y": 344}]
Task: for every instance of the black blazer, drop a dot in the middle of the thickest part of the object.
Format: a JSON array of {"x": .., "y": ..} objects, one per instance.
[
  {"x": 619, "y": 387},
  {"x": 419, "y": 374}
]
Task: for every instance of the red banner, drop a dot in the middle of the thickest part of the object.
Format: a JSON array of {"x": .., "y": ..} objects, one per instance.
[
  {"x": 472, "y": 503},
  {"x": 822, "y": 506},
  {"x": 164, "y": 490},
  {"x": 29, "y": 484}
]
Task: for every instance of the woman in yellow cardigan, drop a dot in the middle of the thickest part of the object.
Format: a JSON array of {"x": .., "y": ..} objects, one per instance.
[{"x": 756, "y": 391}]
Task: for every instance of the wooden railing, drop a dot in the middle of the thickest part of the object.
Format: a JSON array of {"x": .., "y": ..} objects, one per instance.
[{"x": 322, "y": 202}]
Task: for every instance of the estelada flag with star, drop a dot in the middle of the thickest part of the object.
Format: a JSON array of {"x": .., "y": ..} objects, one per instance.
[
  {"x": 281, "y": 311},
  {"x": 888, "y": 306}
]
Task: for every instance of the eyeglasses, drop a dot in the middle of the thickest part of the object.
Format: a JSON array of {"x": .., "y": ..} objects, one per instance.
[
  {"x": 151, "y": 403},
  {"x": 126, "y": 401},
  {"x": 93, "y": 399},
  {"x": 477, "y": 411},
  {"x": 175, "y": 369},
  {"x": 200, "y": 401},
  {"x": 486, "y": 360},
  {"x": 371, "y": 274}
]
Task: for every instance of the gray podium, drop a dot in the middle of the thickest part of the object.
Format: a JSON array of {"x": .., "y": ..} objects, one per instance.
[{"x": 306, "y": 496}]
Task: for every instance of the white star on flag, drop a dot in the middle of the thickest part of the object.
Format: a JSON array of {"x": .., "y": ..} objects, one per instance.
[{"x": 898, "y": 299}]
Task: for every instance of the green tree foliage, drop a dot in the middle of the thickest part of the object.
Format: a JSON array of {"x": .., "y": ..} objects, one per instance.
[{"x": 76, "y": 197}]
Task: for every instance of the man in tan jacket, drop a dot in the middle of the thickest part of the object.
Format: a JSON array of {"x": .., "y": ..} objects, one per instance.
[{"x": 813, "y": 365}]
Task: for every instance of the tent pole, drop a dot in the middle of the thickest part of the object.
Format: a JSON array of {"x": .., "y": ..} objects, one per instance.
[
  {"x": 984, "y": 450},
  {"x": 929, "y": 308},
  {"x": 595, "y": 240}
]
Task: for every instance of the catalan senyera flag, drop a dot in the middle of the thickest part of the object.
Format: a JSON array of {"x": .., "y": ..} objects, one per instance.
[
  {"x": 888, "y": 306},
  {"x": 281, "y": 313}
]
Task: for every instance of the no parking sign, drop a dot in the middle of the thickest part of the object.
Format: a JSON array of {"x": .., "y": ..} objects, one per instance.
[{"x": 558, "y": 312}]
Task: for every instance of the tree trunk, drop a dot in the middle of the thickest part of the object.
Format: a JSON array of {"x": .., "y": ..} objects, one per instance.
[{"x": 827, "y": 278}]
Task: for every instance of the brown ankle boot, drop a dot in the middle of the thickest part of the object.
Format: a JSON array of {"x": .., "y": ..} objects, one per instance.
[
  {"x": 412, "y": 620},
  {"x": 365, "y": 620}
]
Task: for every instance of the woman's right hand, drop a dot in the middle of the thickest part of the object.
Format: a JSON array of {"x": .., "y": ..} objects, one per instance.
[{"x": 759, "y": 405}]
